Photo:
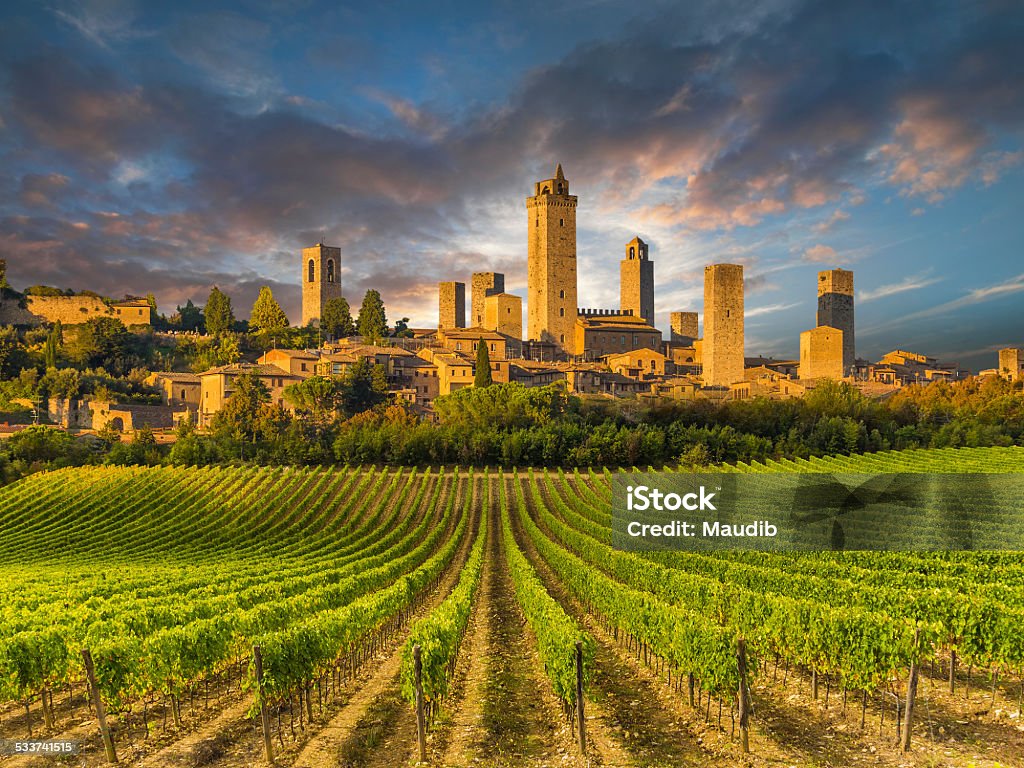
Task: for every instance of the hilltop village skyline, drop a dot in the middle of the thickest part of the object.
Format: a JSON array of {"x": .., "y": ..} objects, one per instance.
[{"x": 613, "y": 351}]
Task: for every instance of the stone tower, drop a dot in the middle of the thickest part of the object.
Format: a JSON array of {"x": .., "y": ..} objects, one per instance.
[
  {"x": 722, "y": 353},
  {"x": 503, "y": 313},
  {"x": 684, "y": 328},
  {"x": 484, "y": 284},
  {"x": 451, "y": 300},
  {"x": 835, "y": 308},
  {"x": 821, "y": 353},
  {"x": 321, "y": 280},
  {"x": 636, "y": 281},
  {"x": 551, "y": 265}
]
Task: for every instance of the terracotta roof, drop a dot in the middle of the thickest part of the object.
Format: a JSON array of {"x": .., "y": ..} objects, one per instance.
[{"x": 235, "y": 369}]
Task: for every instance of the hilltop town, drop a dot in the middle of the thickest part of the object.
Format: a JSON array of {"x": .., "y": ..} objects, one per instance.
[{"x": 612, "y": 352}]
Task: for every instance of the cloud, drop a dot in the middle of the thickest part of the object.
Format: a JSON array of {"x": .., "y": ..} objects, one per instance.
[
  {"x": 837, "y": 216},
  {"x": 1010, "y": 287},
  {"x": 820, "y": 253},
  {"x": 769, "y": 309},
  {"x": 672, "y": 126},
  {"x": 910, "y": 283}
]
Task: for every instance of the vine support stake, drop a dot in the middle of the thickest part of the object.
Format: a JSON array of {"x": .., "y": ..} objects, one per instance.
[
  {"x": 101, "y": 712},
  {"x": 421, "y": 720},
  {"x": 580, "y": 716},
  {"x": 268, "y": 746},
  {"x": 911, "y": 693},
  {"x": 744, "y": 695}
]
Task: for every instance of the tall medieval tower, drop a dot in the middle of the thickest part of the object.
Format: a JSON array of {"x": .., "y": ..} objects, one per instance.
[
  {"x": 321, "y": 280},
  {"x": 551, "y": 266},
  {"x": 835, "y": 308},
  {"x": 722, "y": 354},
  {"x": 636, "y": 281}
]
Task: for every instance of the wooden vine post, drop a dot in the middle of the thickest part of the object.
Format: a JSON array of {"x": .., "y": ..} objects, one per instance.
[
  {"x": 101, "y": 712},
  {"x": 268, "y": 746},
  {"x": 580, "y": 715},
  {"x": 421, "y": 720},
  {"x": 911, "y": 694},
  {"x": 744, "y": 695}
]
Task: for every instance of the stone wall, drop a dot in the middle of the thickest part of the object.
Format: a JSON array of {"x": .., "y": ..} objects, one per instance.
[{"x": 70, "y": 310}]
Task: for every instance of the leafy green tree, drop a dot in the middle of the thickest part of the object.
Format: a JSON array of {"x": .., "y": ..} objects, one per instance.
[
  {"x": 219, "y": 316},
  {"x": 189, "y": 448},
  {"x": 337, "y": 319},
  {"x": 54, "y": 341},
  {"x": 402, "y": 329},
  {"x": 267, "y": 314},
  {"x": 239, "y": 418},
  {"x": 483, "y": 366},
  {"x": 190, "y": 317},
  {"x": 104, "y": 342},
  {"x": 364, "y": 386},
  {"x": 13, "y": 356},
  {"x": 317, "y": 396},
  {"x": 373, "y": 323}
]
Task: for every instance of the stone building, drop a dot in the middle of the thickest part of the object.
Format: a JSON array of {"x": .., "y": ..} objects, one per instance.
[
  {"x": 551, "y": 263},
  {"x": 484, "y": 284},
  {"x": 217, "y": 386},
  {"x": 640, "y": 363},
  {"x": 722, "y": 353},
  {"x": 835, "y": 308},
  {"x": 321, "y": 280},
  {"x": 451, "y": 310},
  {"x": 605, "y": 332},
  {"x": 636, "y": 281},
  {"x": 503, "y": 312},
  {"x": 684, "y": 328},
  {"x": 1011, "y": 363},
  {"x": 300, "y": 362},
  {"x": 821, "y": 353},
  {"x": 179, "y": 390}
]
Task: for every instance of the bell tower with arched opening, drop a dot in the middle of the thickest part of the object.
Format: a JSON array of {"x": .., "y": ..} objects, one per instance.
[
  {"x": 321, "y": 280},
  {"x": 551, "y": 265}
]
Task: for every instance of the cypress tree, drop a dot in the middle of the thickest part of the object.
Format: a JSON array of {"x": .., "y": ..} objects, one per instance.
[{"x": 483, "y": 366}]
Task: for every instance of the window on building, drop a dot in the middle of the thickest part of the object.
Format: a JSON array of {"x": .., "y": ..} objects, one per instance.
[
  {"x": 561, "y": 294},
  {"x": 312, "y": 271},
  {"x": 561, "y": 312},
  {"x": 728, "y": 312},
  {"x": 330, "y": 270},
  {"x": 303, "y": 366},
  {"x": 183, "y": 394},
  {"x": 632, "y": 252},
  {"x": 561, "y": 222},
  {"x": 458, "y": 346},
  {"x": 561, "y": 338}
]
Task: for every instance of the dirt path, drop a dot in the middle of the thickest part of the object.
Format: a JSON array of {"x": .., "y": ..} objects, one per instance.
[
  {"x": 634, "y": 726},
  {"x": 460, "y": 735},
  {"x": 520, "y": 722},
  {"x": 376, "y": 723}
]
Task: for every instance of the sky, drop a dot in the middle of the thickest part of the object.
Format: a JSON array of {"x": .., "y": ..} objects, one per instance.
[{"x": 169, "y": 147}]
